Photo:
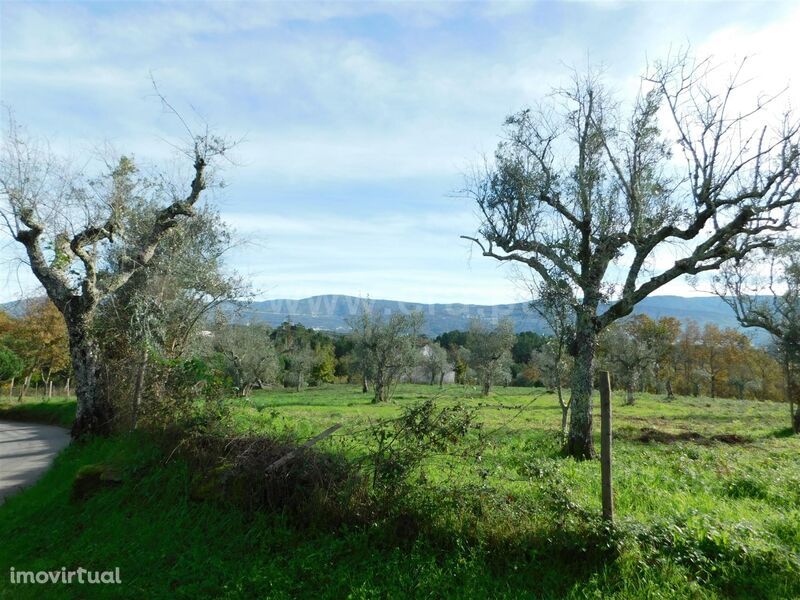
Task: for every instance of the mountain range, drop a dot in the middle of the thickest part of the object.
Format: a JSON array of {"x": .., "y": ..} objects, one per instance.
[{"x": 331, "y": 312}]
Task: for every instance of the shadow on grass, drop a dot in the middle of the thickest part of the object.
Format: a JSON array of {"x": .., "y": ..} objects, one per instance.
[
  {"x": 53, "y": 412},
  {"x": 785, "y": 432}
]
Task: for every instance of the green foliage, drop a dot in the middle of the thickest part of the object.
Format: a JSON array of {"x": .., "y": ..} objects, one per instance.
[
  {"x": 324, "y": 370},
  {"x": 402, "y": 444},
  {"x": 191, "y": 393},
  {"x": 11, "y": 365},
  {"x": 525, "y": 343},
  {"x": 55, "y": 411}
]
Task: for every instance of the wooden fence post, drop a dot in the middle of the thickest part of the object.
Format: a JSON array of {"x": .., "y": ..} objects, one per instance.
[{"x": 605, "y": 445}]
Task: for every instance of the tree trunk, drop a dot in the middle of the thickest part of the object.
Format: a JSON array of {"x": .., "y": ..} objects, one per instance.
[
  {"x": 580, "y": 443},
  {"x": 66, "y": 388},
  {"x": 670, "y": 394},
  {"x": 630, "y": 400},
  {"x": 24, "y": 389},
  {"x": 441, "y": 380},
  {"x": 138, "y": 388},
  {"x": 380, "y": 391},
  {"x": 564, "y": 412},
  {"x": 794, "y": 416},
  {"x": 95, "y": 414},
  {"x": 364, "y": 385},
  {"x": 487, "y": 387},
  {"x": 11, "y": 388}
]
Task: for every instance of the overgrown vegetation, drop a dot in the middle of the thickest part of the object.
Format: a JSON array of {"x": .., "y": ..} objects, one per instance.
[{"x": 472, "y": 499}]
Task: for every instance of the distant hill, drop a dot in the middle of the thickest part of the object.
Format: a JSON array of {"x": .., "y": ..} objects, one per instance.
[{"x": 330, "y": 312}]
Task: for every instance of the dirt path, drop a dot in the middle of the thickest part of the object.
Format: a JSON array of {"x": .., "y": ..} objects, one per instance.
[{"x": 26, "y": 451}]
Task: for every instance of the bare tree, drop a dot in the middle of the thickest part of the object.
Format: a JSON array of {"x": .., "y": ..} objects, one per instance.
[
  {"x": 490, "y": 352},
  {"x": 552, "y": 300},
  {"x": 586, "y": 192},
  {"x": 64, "y": 219},
  {"x": 763, "y": 289}
]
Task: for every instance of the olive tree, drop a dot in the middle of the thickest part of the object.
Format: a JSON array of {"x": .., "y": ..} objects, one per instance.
[
  {"x": 65, "y": 218},
  {"x": 490, "y": 352},
  {"x": 250, "y": 356},
  {"x": 618, "y": 199},
  {"x": 627, "y": 356},
  {"x": 763, "y": 289},
  {"x": 300, "y": 359},
  {"x": 386, "y": 348},
  {"x": 435, "y": 361},
  {"x": 163, "y": 310}
]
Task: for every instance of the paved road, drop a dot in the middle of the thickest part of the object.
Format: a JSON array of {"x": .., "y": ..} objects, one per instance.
[{"x": 26, "y": 451}]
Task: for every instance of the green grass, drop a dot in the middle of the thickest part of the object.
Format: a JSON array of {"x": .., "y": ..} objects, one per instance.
[
  {"x": 696, "y": 520},
  {"x": 55, "y": 411}
]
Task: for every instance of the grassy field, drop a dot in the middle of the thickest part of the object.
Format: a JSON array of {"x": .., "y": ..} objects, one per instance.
[{"x": 707, "y": 498}]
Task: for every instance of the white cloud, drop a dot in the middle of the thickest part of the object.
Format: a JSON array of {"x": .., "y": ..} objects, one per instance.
[{"x": 336, "y": 99}]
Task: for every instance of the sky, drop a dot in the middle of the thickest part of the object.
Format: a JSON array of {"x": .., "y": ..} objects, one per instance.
[{"x": 358, "y": 120}]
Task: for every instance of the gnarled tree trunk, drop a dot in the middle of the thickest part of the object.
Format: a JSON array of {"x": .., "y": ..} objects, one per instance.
[
  {"x": 580, "y": 443},
  {"x": 95, "y": 414}
]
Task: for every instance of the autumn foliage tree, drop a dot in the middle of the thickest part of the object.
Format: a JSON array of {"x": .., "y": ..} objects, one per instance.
[{"x": 39, "y": 339}]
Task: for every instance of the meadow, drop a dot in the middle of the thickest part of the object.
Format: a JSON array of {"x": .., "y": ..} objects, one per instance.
[{"x": 707, "y": 495}]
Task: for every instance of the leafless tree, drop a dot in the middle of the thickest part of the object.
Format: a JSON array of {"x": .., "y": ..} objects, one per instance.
[
  {"x": 64, "y": 219},
  {"x": 552, "y": 301},
  {"x": 763, "y": 289},
  {"x": 587, "y": 191}
]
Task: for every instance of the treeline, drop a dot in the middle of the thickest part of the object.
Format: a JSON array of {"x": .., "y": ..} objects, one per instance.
[
  {"x": 661, "y": 356},
  {"x": 670, "y": 357}
]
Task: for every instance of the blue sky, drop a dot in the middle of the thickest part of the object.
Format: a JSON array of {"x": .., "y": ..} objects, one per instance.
[{"x": 359, "y": 118}]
